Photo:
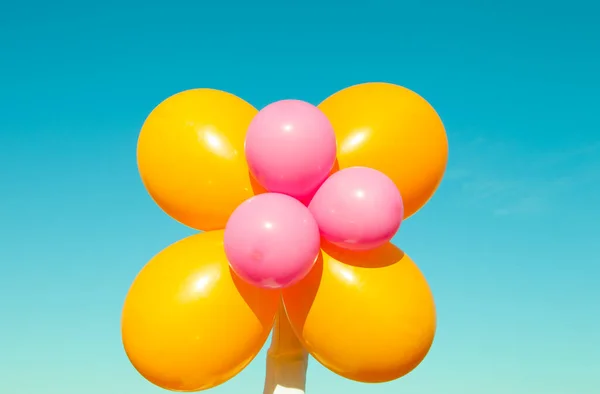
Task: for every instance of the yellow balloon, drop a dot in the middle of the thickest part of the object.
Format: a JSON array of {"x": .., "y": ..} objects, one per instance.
[
  {"x": 368, "y": 316},
  {"x": 393, "y": 130},
  {"x": 188, "y": 322},
  {"x": 190, "y": 155}
]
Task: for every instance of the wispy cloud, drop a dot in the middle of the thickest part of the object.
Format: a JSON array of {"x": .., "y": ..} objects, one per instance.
[
  {"x": 556, "y": 158},
  {"x": 533, "y": 188},
  {"x": 487, "y": 188},
  {"x": 457, "y": 174},
  {"x": 526, "y": 205}
]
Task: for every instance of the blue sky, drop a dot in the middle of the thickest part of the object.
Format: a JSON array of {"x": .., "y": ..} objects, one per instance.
[{"x": 509, "y": 243}]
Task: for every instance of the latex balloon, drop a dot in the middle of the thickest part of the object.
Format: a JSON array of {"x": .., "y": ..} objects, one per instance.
[
  {"x": 190, "y": 155},
  {"x": 358, "y": 208},
  {"x": 272, "y": 240},
  {"x": 368, "y": 316},
  {"x": 290, "y": 148},
  {"x": 393, "y": 130},
  {"x": 188, "y": 322}
]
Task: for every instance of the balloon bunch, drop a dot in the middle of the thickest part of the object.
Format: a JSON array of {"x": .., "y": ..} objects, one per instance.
[
  {"x": 298, "y": 204},
  {"x": 273, "y": 240}
]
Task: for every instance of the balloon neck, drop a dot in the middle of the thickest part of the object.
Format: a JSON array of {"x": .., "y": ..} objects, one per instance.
[{"x": 287, "y": 361}]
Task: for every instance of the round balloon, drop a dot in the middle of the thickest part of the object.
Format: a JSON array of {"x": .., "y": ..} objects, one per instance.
[
  {"x": 188, "y": 322},
  {"x": 290, "y": 148},
  {"x": 358, "y": 208},
  {"x": 394, "y": 130},
  {"x": 368, "y": 316},
  {"x": 190, "y": 155},
  {"x": 272, "y": 240}
]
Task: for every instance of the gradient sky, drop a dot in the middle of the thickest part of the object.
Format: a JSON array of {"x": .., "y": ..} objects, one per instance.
[{"x": 509, "y": 243}]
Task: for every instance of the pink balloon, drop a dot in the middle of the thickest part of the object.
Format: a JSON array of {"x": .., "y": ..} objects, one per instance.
[
  {"x": 290, "y": 148},
  {"x": 358, "y": 208},
  {"x": 272, "y": 240}
]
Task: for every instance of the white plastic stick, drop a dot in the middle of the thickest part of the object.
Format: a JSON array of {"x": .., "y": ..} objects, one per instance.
[{"x": 287, "y": 361}]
